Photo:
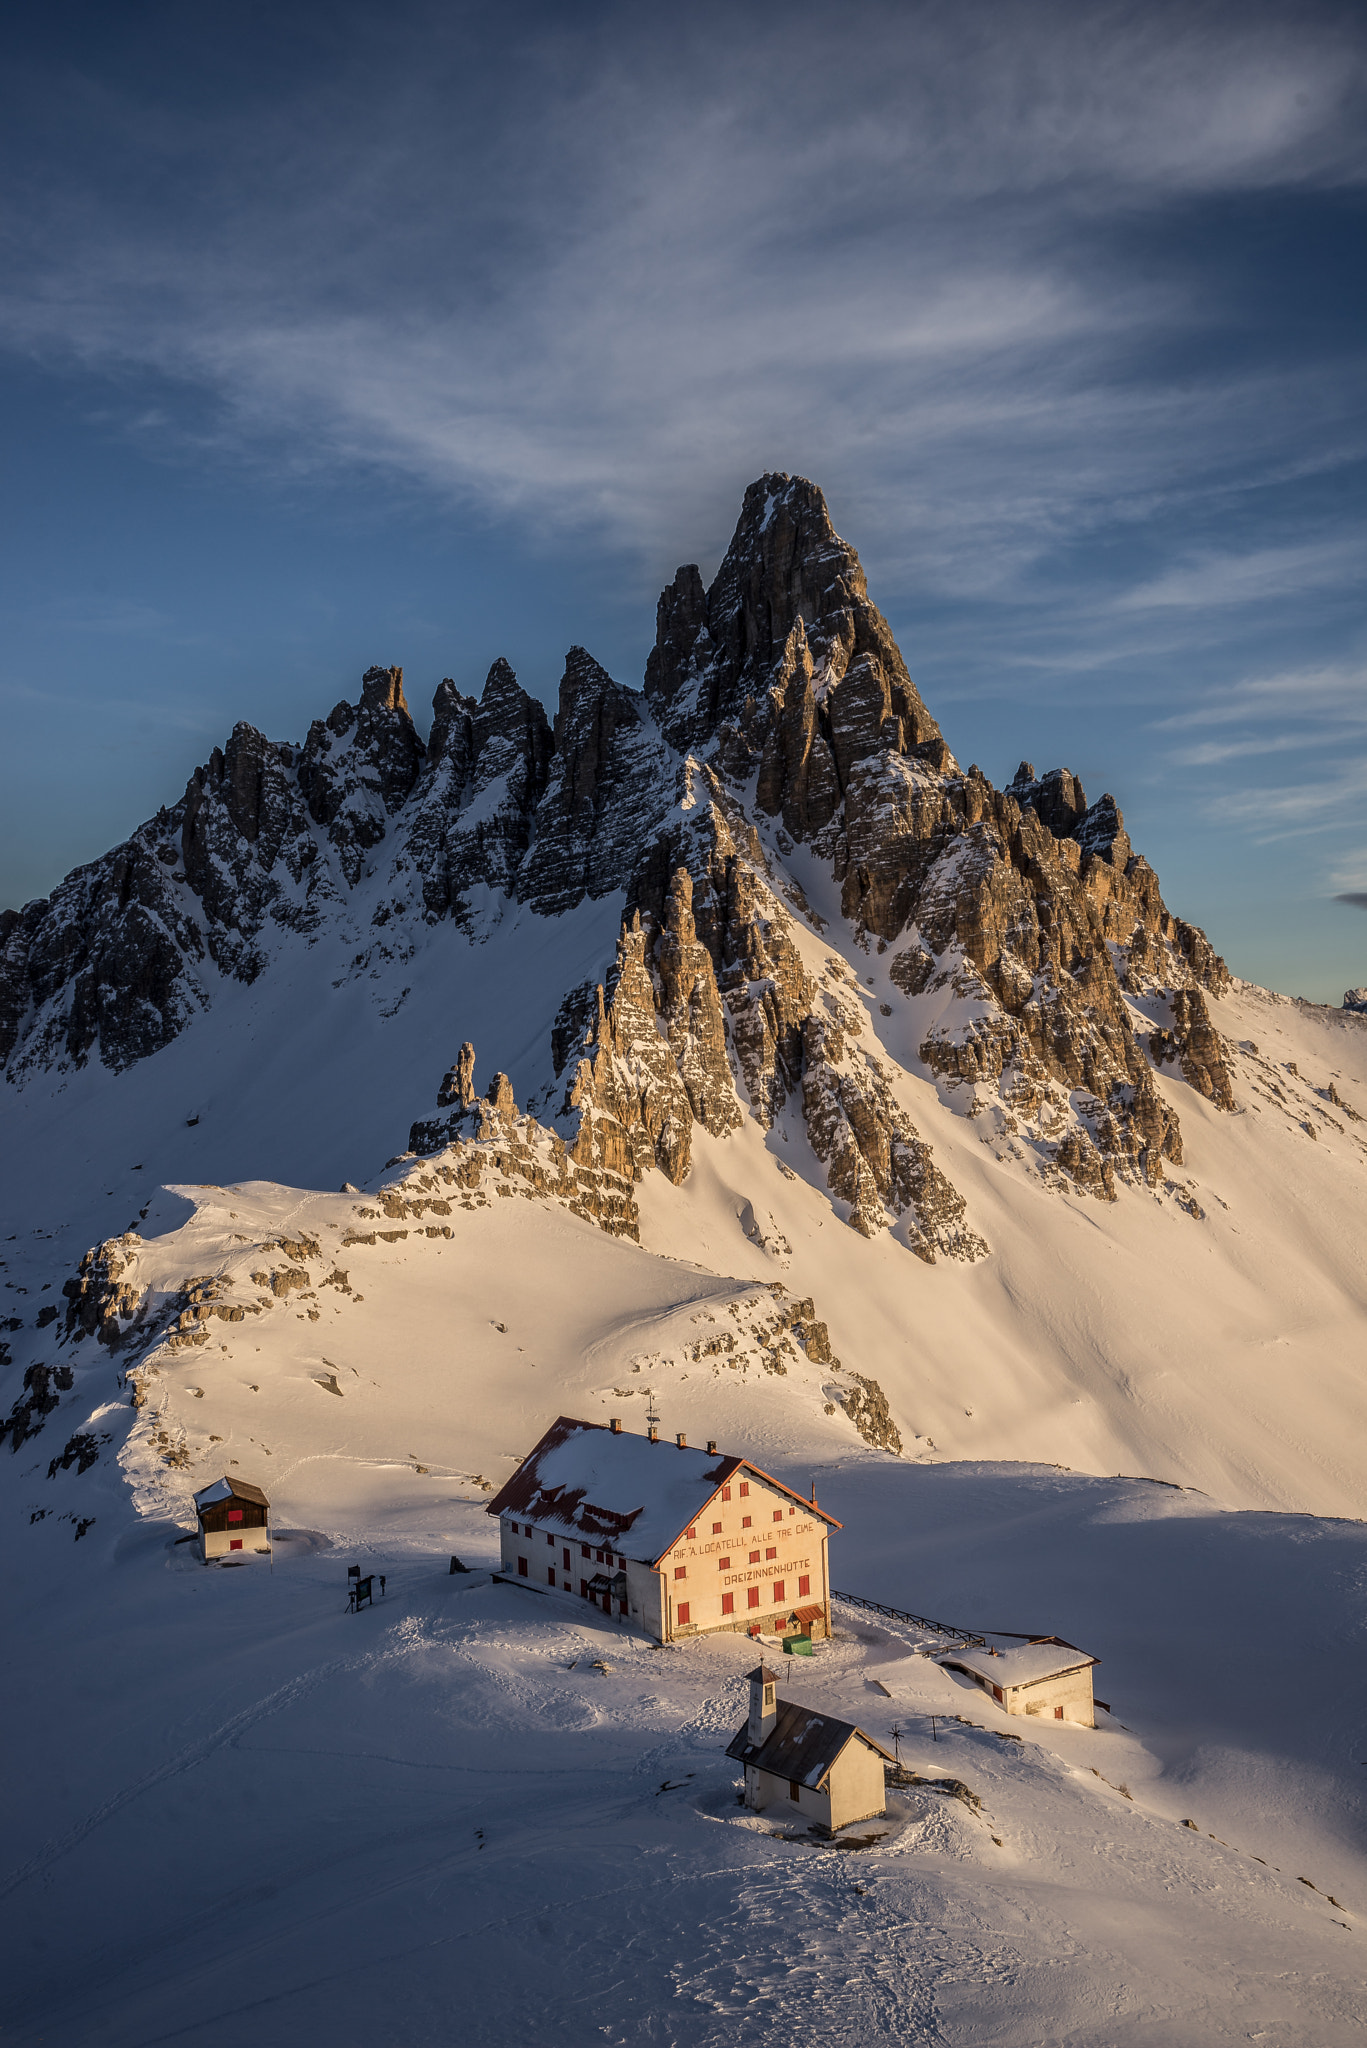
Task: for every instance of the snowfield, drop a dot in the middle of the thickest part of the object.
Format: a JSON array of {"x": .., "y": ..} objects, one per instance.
[{"x": 232, "y": 1802}]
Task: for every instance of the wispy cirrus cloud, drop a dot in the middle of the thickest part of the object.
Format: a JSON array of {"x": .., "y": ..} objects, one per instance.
[{"x": 891, "y": 249}]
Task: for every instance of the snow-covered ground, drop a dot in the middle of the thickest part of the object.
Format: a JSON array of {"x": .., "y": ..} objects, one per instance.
[
  {"x": 234, "y": 1805},
  {"x": 229, "y": 1802}
]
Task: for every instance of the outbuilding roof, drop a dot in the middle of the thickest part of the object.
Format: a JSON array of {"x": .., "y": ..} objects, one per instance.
[
  {"x": 1028, "y": 1664},
  {"x": 802, "y": 1745},
  {"x": 613, "y": 1487},
  {"x": 229, "y": 1489}
]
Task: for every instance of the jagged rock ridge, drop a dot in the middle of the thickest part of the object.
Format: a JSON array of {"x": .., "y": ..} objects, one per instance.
[{"x": 777, "y": 711}]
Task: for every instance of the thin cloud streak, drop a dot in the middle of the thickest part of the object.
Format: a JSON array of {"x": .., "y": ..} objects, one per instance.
[{"x": 882, "y": 268}]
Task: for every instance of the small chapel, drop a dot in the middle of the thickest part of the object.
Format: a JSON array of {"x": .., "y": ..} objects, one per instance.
[{"x": 811, "y": 1765}]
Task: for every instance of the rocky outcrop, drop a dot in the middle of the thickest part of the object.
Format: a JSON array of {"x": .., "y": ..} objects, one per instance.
[
  {"x": 875, "y": 1160},
  {"x": 358, "y": 766},
  {"x": 761, "y": 660},
  {"x": 1195, "y": 1043},
  {"x": 691, "y": 1014},
  {"x": 608, "y": 779},
  {"x": 1355, "y": 999},
  {"x": 459, "y": 1085}
]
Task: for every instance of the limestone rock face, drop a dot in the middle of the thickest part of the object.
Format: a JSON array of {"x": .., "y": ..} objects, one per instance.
[
  {"x": 626, "y": 1107},
  {"x": 459, "y": 1085},
  {"x": 691, "y": 1012},
  {"x": 358, "y": 765},
  {"x": 607, "y": 776},
  {"x": 1194, "y": 1041},
  {"x": 875, "y": 1159},
  {"x": 779, "y": 746},
  {"x": 1355, "y": 999}
]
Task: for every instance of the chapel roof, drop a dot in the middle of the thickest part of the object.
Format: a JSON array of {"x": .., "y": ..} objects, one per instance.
[{"x": 801, "y": 1745}]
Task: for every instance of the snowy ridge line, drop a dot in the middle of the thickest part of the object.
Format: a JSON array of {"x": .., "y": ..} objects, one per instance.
[{"x": 967, "y": 1637}]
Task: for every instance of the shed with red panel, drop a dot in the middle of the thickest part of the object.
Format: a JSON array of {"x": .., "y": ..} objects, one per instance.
[{"x": 233, "y": 1516}]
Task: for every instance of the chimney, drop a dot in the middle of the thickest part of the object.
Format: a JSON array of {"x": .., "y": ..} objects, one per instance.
[
  {"x": 682, "y": 1441},
  {"x": 615, "y": 1424},
  {"x": 763, "y": 1710},
  {"x": 711, "y": 1447},
  {"x": 813, "y": 1493},
  {"x": 654, "y": 1433}
]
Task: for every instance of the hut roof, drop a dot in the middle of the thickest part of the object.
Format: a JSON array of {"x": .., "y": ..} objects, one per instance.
[
  {"x": 1028, "y": 1664},
  {"x": 229, "y": 1489},
  {"x": 613, "y": 1487}
]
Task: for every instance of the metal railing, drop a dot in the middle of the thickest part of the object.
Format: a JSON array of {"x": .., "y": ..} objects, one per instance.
[{"x": 936, "y": 1628}]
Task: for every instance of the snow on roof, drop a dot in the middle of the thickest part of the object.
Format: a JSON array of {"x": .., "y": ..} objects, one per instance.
[
  {"x": 1027, "y": 1665},
  {"x": 229, "y": 1489},
  {"x": 617, "y": 1488}
]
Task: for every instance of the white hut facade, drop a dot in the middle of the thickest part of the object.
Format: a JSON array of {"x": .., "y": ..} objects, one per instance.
[
  {"x": 1048, "y": 1677},
  {"x": 233, "y": 1515},
  {"x": 805, "y": 1764},
  {"x": 683, "y": 1542}
]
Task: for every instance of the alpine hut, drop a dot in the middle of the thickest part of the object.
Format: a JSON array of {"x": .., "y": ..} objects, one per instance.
[
  {"x": 829, "y": 1771},
  {"x": 684, "y": 1542},
  {"x": 233, "y": 1515},
  {"x": 1047, "y": 1676}
]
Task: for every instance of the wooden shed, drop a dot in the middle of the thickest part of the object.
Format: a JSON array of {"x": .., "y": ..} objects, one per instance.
[
  {"x": 805, "y": 1763},
  {"x": 233, "y": 1515}
]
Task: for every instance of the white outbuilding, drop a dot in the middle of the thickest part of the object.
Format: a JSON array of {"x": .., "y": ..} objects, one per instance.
[
  {"x": 233, "y": 1515},
  {"x": 682, "y": 1541},
  {"x": 803, "y": 1763},
  {"x": 1048, "y": 1677}
]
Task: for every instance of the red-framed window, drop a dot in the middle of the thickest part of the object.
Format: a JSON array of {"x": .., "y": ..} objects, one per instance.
[
  {"x": 550, "y": 1575},
  {"x": 726, "y": 1493},
  {"x": 584, "y": 1550},
  {"x": 716, "y": 1528},
  {"x": 778, "y": 1592},
  {"x": 792, "y": 1511},
  {"x": 522, "y": 1567},
  {"x": 234, "y": 1543},
  {"x": 728, "y": 1603},
  {"x": 778, "y": 1514},
  {"x": 752, "y": 1596},
  {"x": 681, "y": 1571},
  {"x": 723, "y": 1564},
  {"x": 754, "y": 1557},
  {"x": 691, "y": 1534},
  {"x": 772, "y": 1550},
  {"x": 683, "y": 1610},
  {"x": 745, "y": 1489},
  {"x": 550, "y": 1539},
  {"x": 804, "y": 1586},
  {"x": 746, "y": 1520},
  {"x": 583, "y": 1589}
]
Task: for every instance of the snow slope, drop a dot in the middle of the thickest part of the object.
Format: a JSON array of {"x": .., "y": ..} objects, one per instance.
[{"x": 240, "y": 1803}]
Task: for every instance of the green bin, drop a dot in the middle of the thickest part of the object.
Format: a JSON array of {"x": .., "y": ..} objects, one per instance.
[{"x": 797, "y": 1646}]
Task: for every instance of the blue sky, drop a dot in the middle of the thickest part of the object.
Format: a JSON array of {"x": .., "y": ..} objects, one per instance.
[{"x": 344, "y": 335}]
